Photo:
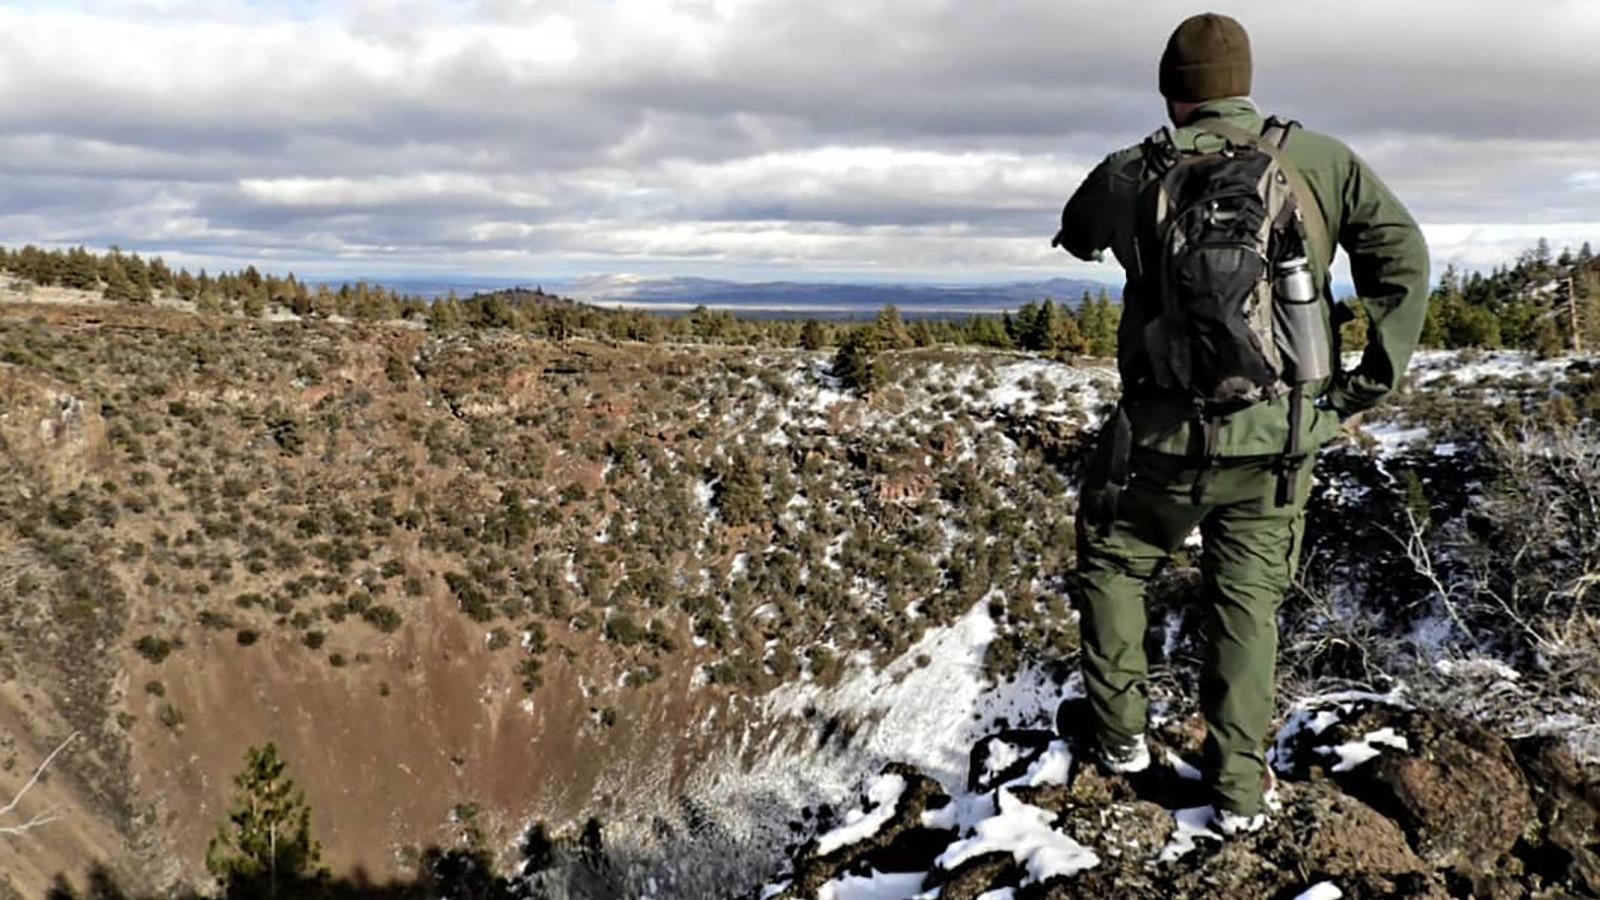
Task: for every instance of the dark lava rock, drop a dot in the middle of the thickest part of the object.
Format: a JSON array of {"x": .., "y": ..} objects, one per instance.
[
  {"x": 998, "y": 758},
  {"x": 1566, "y": 849},
  {"x": 1457, "y": 792},
  {"x": 977, "y": 876},
  {"x": 1460, "y": 813},
  {"x": 902, "y": 844}
]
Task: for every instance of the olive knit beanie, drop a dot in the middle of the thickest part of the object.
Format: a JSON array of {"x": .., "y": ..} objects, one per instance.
[{"x": 1207, "y": 57}]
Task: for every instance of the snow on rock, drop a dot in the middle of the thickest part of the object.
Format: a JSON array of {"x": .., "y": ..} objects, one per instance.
[
  {"x": 862, "y": 824},
  {"x": 1053, "y": 767},
  {"x": 1433, "y": 366},
  {"x": 1002, "y": 755},
  {"x": 1024, "y": 832},
  {"x": 1393, "y": 437},
  {"x": 1313, "y": 716},
  {"x": 877, "y": 886},
  {"x": 961, "y": 814},
  {"x": 1477, "y": 667},
  {"x": 1354, "y": 753},
  {"x": 1192, "y": 824},
  {"x": 1325, "y": 890}
]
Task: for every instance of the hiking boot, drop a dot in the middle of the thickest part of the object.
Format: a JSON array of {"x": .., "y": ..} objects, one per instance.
[
  {"x": 1124, "y": 759},
  {"x": 1233, "y": 824}
]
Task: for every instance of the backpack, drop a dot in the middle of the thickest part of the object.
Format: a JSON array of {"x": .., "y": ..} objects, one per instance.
[{"x": 1223, "y": 248}]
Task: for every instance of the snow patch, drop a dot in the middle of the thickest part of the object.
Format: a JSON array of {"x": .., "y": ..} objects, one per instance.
[
  {"x": 1024, "y": 832},
  {"x": 877, "y": 886},
  {"x": 1356, "y": 753},
  {"x": 1192, "y": 824},
  {"x": 882, "y": 799}
]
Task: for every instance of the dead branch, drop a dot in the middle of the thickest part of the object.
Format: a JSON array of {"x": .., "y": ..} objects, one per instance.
[{"x": 46, "y": 816}]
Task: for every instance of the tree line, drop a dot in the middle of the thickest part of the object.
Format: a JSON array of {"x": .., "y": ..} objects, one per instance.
[
  {"x": 1545, "y": 302},
  {"x": 1542, "y": 302},
  {"x": 1043, "y": 326}
]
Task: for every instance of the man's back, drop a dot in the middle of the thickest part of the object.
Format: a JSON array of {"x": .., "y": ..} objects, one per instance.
[{"x": 1389, "y": 264}]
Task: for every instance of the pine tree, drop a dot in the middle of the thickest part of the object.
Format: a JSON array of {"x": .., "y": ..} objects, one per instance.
[
  {"x": 265, "y": 849},
  {"x": 1043, "y": 329},
  {"x": 143, "y": 292},
  {"x": 160, "y": 276},
  {"x": 445, "y": 315},
  {"x": 207, "y": 302},
  {"x": 1541, "y": 252},
  {"x": 1066, "y": 336},
  {"x": 1097, "y": 318}
]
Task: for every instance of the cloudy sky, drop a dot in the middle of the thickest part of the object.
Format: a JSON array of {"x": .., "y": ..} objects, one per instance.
[{"x": 924, "y": 140}]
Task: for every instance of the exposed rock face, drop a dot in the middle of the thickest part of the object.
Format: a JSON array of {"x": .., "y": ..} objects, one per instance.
[
  {"x": 60, "y": 435},
  {"x": 1379, "y": 800}
]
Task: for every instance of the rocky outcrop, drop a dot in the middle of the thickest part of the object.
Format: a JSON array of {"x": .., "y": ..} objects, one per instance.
[
  {"x": 58, "y": 434},
  {"x": 1377, "y": 799}
]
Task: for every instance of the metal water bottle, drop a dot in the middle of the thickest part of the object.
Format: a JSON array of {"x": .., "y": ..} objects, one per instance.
[
  {"x": 1294, "y": 283},
  {"x": 1302, "y": 328}
]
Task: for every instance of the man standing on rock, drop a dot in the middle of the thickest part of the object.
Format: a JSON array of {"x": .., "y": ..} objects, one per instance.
[{"x": 1228, "y": 353}]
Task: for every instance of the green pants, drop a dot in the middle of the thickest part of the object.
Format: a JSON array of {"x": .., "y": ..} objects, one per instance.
[{"x": 1250, "y": 550}]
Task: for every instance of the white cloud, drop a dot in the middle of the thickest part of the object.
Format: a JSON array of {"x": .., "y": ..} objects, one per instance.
[{"x": 931, "y": 138}]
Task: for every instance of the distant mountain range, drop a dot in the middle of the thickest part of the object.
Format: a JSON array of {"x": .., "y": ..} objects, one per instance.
[{"x": 791, "y": 299}]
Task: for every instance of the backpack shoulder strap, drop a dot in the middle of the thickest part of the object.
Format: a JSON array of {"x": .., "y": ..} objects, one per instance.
[
  {"x": 1160, "y": 153},
  {"x": 1272, "y": 142}
]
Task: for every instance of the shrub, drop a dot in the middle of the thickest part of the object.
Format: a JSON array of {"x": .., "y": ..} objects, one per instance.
[
  {"x": 171, "y": 717},
  {"x": 383, "y": 617},
  {"x": 155, "y": 649},
  {"x": 529, "y": 669}
]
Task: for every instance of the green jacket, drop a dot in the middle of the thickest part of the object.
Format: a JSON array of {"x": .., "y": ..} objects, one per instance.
[{"x": 1388, "y": 262}]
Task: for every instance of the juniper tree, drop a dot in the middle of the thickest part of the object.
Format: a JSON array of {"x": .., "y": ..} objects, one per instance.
[
  {"x": 81, "y": 271},
  {"x": 119, "y": 287},
  {"x": 185, "y": 286},
  {"x": 812, "y": 335},
  {"x": 891, "y": 330},
  {"x": 856, "y": 363}
]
